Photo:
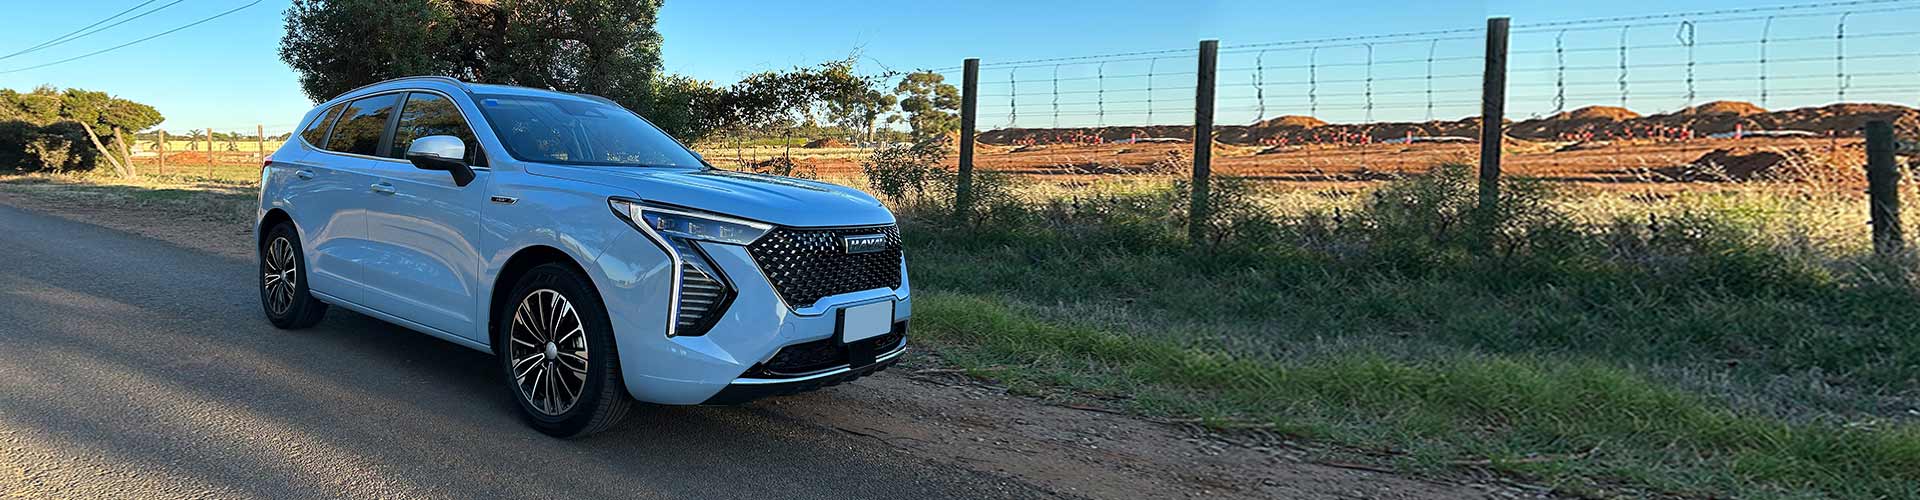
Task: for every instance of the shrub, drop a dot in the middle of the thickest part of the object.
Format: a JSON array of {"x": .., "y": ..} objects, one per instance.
[
  {"x": 1235, "y": 215},
  {"x": 56, "y": 147},
  {"x": 783, "y": 166},
  {"x": 904, "y": 173}
]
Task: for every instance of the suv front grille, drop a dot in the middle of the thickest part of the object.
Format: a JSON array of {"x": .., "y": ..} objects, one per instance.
[{"x": 805, "y": 265}]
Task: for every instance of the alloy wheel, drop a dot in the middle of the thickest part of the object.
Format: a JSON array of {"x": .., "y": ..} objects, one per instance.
[
  {"x": 277, "y": 281},
  {"x": 548, "y": 352}
]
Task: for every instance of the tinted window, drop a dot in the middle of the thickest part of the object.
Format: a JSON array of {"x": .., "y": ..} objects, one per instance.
[
  {"x": 577, "y": 132},
  {"x": 430, "y": 114},
  {"x": 361, "y": 125},
  {"x": 316, "y": 132}
]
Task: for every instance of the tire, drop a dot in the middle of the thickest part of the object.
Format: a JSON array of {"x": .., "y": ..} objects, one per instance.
[
  {"x": 283, "y": 281},
  {"x": 541, "y": 368}
]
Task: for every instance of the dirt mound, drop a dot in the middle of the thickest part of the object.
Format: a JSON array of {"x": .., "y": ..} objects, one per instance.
[
  {"x": 1290, "y": 121},
  {"x": 1735, "y": 165},
  {"x": 1592, "y": 123},
  {"x": 825, "y": 143},
  {"x": 1613, "y": 113},
  {"x": 1736, "y": 108},
  {"x": 1739, "y": 166}
]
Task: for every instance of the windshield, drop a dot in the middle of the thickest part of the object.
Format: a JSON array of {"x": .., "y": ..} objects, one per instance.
[{"x": 576, "y": 132}]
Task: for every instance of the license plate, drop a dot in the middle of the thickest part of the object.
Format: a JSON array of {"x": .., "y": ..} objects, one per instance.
[{"x": 867, "y": 321}]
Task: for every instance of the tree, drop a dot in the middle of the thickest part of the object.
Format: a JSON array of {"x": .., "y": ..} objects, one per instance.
[
  {"x": 682, "y": 106},
  {"x": 120, "y": 117},
  {"x": 50, "y": 129},
  {"x": 861, "y": 112},
  {"x": 930, "y": 103},
  {"x": 602, "y": 47},
  {"x": 801, "y": 96},
  {"x": 338, "y": 45}
]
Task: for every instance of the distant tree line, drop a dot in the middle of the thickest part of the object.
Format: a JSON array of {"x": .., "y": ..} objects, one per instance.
[
  {"x": 602, "y": 47},
  {"x": 49, "y": 129}
]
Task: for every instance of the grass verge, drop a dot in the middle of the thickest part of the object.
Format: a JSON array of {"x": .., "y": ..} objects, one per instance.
[{"x": 1582, "y": 425}]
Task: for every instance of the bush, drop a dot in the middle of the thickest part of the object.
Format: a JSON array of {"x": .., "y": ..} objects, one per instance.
[
  {"x": 785, "y": 167},
  {"x": 906, "y": 173},
  {"x": 56, "y": 147},
  {"x": 1235, "y": 215}
]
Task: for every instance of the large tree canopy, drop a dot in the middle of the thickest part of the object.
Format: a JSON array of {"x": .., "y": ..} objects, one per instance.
[{"x": 602, "y": 47}]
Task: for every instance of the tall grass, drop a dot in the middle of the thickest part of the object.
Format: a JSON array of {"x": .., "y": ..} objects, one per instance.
[{"x": 1714, "y": 343}]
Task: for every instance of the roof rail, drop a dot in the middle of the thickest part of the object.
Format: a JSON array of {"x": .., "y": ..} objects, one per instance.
[{"x": 449, "y": 79}]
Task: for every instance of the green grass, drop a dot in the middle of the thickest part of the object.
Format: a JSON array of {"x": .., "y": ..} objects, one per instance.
[
  {"x": 1720, "y": 349},
  {"x": 1569, "y": 422}
]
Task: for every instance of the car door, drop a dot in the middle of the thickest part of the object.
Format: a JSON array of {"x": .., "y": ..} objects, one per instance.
[
  {"x": 354, "y": 151},
  {"x": 326, "y": 203},
  {"x": 427, "y": 227}
]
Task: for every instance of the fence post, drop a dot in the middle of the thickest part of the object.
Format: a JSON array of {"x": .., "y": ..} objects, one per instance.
[
  {"x": 969, "y": 115},
  {"x": 210, "y": 157},
  {"x": 1199, "y": 211},
  {"x": 161, "y": 148},
  {"x": 1883, "y": 189},
  {"x": 1493, "y": 108},
  {"x": 260, "y": 138}
]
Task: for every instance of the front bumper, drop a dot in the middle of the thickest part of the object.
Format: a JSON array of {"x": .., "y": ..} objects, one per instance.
[
  {"x": 715, "y": 368},
  {"x": 746, "y": 389}
]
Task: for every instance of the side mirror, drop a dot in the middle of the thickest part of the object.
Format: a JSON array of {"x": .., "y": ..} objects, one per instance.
[{"x": 444, "y": 153}]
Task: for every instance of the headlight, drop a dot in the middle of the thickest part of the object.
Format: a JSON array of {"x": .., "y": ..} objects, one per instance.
[
  {"x": 679, "y": 223},
  {"x": 701, "y": 293}
]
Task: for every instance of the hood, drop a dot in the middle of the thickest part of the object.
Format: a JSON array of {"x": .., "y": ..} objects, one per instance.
[{"x": 774, "y": 199}]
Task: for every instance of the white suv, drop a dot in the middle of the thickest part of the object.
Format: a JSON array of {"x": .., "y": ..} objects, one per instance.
[{"x": 597, "y": 258}]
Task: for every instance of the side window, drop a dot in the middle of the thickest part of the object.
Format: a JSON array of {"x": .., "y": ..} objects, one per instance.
[
  {"x": 430, "y": 114},
  {"x": 361, "y": 125},
  {"x": 316, "y": 132}
]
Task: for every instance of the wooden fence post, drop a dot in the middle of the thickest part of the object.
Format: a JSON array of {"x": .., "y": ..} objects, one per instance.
[
  {"x": 969, "y": 117},
  {"x": 210, "y": 157},
  {"x": 1200, "y": 210},
  {"x": 260, "y": 139},
  {"x": 1493, "y": 108},
  {"x": 1883, "y": 189},
  {"x": 161, "y": 148}
]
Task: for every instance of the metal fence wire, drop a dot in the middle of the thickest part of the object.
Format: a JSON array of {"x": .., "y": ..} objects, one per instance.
[{"x": 1401, "y": 101}]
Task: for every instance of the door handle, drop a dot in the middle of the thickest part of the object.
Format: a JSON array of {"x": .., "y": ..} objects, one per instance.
[
  {"x": 304, "y": 174},
  {"x": 382, "y": 188}
]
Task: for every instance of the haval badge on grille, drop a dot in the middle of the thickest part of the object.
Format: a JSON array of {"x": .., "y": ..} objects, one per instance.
[{"x": 864, "y": 243}]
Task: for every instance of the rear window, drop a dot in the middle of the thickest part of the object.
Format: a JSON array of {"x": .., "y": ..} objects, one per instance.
[
  {"x": 361, "y": 125},
  {"x": 316, "y": 132}
]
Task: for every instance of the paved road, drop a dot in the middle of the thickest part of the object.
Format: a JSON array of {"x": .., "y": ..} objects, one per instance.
[{"x": 130, "y": 367}]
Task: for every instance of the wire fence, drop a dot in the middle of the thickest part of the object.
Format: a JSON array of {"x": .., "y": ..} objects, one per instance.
[
  {"x": 171, "y": 152},
  {"x": 1653, "y": 98},
  {"x": 1667, "y": 77}
]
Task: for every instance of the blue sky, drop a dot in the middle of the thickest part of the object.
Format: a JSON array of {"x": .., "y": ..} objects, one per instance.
[{"x": 226, "y": 73}]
